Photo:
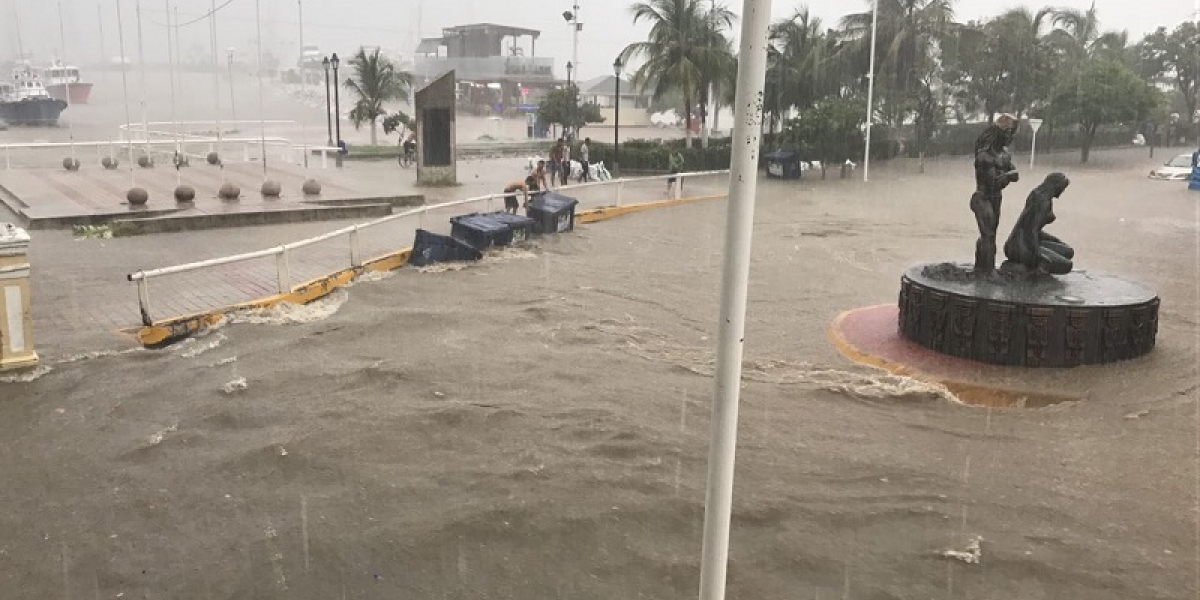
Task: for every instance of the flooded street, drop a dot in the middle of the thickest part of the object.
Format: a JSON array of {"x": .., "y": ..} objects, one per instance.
[{"x": 536, "y": 425}]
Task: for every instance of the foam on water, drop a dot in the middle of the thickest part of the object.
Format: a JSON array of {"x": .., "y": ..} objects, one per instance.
[
  {"x": 286, "y": 313},
  {"x": 653, "y": 345},
  {"x": 493, "y": 255},
  {"x": 237, "y": 385},
  {"x": 74, "y": 358},
  {"x": 195, "y": 347},
  {"x": 26, "y": 376}
]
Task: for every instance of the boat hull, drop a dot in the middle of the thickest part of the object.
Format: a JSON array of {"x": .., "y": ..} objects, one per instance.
[
  {"x": 32, "y": 112},
  {"x": 79, "y": 92}
]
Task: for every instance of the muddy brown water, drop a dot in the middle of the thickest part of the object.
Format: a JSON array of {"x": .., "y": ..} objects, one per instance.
[{"x": 536, "y": 426}]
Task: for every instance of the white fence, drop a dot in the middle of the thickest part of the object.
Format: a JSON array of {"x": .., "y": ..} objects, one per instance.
[
  {"x": 195, "y": 139},
  {"x": 208, "y": 285}
]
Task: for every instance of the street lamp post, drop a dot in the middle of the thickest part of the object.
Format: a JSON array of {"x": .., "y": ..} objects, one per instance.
[
  {"x": 617, "y": 117},
  {"x": 328, "y": 114},
  {"x": 337, "y": 108},
  {"x": 569, "y": 128}
]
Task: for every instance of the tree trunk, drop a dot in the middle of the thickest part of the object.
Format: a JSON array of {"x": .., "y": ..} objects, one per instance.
[
  {"x": 704, "y": 97},
  {"x": 374, "y": 141},
  {"x": 1085, "y": 144},
  {"x": 687, "y": 119}
]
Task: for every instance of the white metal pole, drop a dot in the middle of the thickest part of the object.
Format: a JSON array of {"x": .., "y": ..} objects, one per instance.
[
  {"x": 731, "y": 325},
  {"x": 262, "y": 126},
  {"x": 137, "y": 7},
  {"x": 870, "y": 92},
  {"x": 174, "y": 118},
  {"x": 66, "y": 80},
  {"x": 1033, "y": 150},
  {"x": 103, "y": 60},
  {"x": 125, "y": 95},
  {"x": 216, "y": 67},
  {"x": 575, "y": 62},
  {"x": 303, "y": 86}
]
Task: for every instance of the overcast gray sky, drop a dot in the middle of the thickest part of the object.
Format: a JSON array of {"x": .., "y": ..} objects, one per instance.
[{"x": 343, "y": 25}]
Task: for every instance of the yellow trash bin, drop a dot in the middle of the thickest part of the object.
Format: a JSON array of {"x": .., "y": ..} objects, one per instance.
[{"x": 16, "y": 327}]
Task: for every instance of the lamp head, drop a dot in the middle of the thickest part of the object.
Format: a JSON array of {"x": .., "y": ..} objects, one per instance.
[
  {"x": 568, "y": 15},
  {"x": 617, "y": 66},
  {"x": 334, "y": 61}
]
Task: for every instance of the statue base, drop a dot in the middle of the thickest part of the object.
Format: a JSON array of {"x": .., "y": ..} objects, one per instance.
[{"x": 1016, "y": 317}]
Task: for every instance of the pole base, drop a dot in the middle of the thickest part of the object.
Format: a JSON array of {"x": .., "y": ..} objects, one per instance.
[{"x": 24, "y": 361}]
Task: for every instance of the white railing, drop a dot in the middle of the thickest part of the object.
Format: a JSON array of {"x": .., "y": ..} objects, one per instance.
[{"x": 353, "y": 250}]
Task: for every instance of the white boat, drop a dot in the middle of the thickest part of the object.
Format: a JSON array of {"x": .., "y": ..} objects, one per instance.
[
  {"x": 60, "y": 78},
  {"x": 25, "y": 101}
]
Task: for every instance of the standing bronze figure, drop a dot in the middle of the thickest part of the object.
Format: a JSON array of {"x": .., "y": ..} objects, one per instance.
[
  {"x": 994, "y": 170},
  {"x": 1028, "y": 245}
]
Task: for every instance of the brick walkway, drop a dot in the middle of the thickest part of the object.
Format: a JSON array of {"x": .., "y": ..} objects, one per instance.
[{"x": 81, "y": 296}]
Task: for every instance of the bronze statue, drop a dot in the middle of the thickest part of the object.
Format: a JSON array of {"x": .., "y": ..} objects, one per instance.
[
  {"x": 1031, "y": 247},
  {"x": 994, "y": 170}
]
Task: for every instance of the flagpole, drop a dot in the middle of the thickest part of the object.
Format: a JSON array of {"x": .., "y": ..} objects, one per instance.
[
  {"x": 174, "y": 117},
  {"x": 262, "y": 126},
  {"x": 303, "y": 86},
  {"x": 870, "y": 92},
  {"x": 731, "y": 325},
  {"x": 137, "y": 7},
  {"x": 66, "y": 81},
  {"x": 212, "y": 33},
  {"x": 125, "y": 95}
]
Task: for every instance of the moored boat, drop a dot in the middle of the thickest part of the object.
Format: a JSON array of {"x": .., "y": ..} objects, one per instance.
[
  {"x": 25, "y": 101},
  {"x": 63, "y": 83}
]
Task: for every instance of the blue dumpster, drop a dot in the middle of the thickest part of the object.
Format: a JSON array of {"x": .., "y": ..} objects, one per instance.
[
  {"x": 552, "y": 213},
  {"x": 482, "y": 230},
  {"x": 429, "y": 248},
  {"x": 783, "y": 164}
]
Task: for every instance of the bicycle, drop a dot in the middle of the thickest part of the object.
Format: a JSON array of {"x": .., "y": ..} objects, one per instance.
[{"x": 407, "y": 158}]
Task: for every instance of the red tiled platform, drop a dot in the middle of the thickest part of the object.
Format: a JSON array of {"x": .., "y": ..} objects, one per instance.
[{"x": 871, "y": 336}]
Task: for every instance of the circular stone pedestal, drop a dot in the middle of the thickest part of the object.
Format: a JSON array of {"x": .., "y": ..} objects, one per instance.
[{"x": 1011, "y": 317}]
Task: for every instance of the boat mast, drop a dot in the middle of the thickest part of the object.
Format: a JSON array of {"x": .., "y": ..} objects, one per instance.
[{"x": 17, "y": 25}]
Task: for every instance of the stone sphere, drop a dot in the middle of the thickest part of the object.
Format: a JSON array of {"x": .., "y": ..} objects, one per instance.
[
  {"x": 271, "y": 189},
  {"x": 137, "y": 196},
  {"x": 312, "y": 187},
  {"x": 185, "y": 193},
  {"x": 71, "y": 164},
  {"x": 145, "y": 162},
  {"x": 229, "y": 191},
  {"x": 214, "y": 158},
  {"x": 109, "y": 162}
]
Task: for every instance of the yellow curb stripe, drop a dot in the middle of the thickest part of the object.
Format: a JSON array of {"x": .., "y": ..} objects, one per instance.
[{"x": 170, "y": 330}]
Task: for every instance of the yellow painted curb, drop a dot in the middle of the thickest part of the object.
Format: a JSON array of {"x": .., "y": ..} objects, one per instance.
[
  {"x": 168, "y": 331},
  {"x": 595, "y": 215},
  {"x": 172, "y": 330}
]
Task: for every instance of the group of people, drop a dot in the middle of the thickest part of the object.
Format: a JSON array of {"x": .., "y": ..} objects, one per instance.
[{"x": 560, "y": 160}]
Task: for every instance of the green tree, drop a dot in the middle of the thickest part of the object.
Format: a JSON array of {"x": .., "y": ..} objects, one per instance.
[
  {"x": 830, "y": 130},
  {"x": 910, "y": 37},
  {"x": 376, "y": 81},
  {"x": 1174, "y": 56},
  {"x": 561, "y": 106},
  {"x": 396, "y": 122},
  {"x": 1102, "y": 92},
  {"x": 800, "y": 65},
  {"x": 676, "y": 53},
  {"x": 721, "y": 62},
  {"x": 1078, "y": 36}
]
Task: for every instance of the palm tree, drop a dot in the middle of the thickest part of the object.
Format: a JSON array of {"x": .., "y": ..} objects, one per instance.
[
  {"x": 376, "y": 81},
  {"x": 909, "y": 34},
  {"x": 1079, "y": 37},
  {"x": 800, "y": 64},
  {"x": 677, "y": 53},
  {"x": 720, "y": 61}
]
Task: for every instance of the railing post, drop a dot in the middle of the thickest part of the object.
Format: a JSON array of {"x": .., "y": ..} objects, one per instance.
[
  {"x": 324, "y": 159},
  {"x": 245, "y": 152},
  {"x": 144, "y": 300},
  {"x": 355, "y": 250},
  {"x": 620, "y": 192},
  {"x": 281, "y": 271},
  {"x": 8, "y": 157}
]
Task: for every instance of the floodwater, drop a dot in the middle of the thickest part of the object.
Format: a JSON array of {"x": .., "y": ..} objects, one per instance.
[{"x": 536, "y": 426}]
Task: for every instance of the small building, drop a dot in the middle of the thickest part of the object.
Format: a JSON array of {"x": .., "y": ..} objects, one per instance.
[
  {"x": 497, "y": 66},
  {"x": 635, "y": 103}
]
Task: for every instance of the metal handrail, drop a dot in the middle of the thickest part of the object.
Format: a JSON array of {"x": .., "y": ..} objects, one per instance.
[{"x": 280, "y": 252}]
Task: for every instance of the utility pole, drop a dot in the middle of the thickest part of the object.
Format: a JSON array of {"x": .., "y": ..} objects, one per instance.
[{"x": 871, "y": 91}]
